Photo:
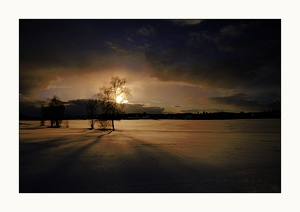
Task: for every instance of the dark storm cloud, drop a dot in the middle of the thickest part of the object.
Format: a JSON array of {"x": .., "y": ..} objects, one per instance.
[
  {"x": 244, "y": 102},
  {"x": 231, "y": 54},
  {"x": 239, "y": 99},
  {"x": 60, "y": 48},
  {"x": 194, "y": 69}
]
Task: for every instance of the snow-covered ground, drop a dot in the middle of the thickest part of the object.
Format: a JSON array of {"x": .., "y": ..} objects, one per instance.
[{"x": 152, "y": 156}]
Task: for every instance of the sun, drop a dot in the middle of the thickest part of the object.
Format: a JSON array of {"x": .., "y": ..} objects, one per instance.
[{"x": 120, "y": 99}]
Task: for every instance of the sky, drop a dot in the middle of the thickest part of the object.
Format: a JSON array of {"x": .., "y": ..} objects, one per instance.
[{"x": 171, "y": 66}]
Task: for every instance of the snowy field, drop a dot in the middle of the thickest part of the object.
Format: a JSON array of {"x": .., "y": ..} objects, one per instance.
[{"x": 152, "y": 156}]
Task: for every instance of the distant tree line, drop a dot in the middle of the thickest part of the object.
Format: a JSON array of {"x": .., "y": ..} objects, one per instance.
[{"x": 271, "y": 114}]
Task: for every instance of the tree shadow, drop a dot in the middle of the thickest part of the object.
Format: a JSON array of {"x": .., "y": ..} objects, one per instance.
[
  {"x": 149, "y": 168},
  {"x": 60, "y": 177}
]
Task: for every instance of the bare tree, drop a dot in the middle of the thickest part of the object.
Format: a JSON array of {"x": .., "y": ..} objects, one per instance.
[
  {"x": 92, "y": 106},
  {"x": 44, "y": 114},
  {"x": 112, "y": 98},
  {"x": 56, "y": 110}
]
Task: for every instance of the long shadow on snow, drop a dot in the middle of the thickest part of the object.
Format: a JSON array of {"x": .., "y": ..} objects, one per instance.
[
  {"x": 152, "y": 169},
  {"x": 61, "y": 178},
  {"x": 149, "y": 169}
]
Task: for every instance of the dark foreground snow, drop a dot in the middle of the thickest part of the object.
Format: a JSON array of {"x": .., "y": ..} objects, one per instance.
[{"x": 152, "y": 156}]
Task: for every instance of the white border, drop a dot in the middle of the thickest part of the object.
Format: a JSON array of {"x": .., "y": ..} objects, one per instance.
[{"x": 12, "y": 11}]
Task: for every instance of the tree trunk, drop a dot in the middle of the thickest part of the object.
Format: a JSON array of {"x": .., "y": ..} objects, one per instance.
[
  {"x": 92, "y": 119},
  {"x": 113, "y": 126},
  {"x": 57, "y": 123},
  {"x": 112, "y": 120}
]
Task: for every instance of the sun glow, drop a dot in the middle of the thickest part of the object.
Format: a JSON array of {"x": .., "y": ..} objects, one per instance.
[{"x": 120, "y": 99}]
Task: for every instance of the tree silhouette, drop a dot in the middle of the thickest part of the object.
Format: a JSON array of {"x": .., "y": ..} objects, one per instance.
[
  {"x": 44, "y": 114},
  {"x": 92, "y": 106},
  {"x": 56, "y": 110},
  {"x": 112, "y": 98}
]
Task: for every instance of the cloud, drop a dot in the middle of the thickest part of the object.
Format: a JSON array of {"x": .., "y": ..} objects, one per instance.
[
  {"x": 146, "y": 31},
  {"x": 97, "y": 67},
  {"x": 115, "y": 47},
  {"x": 228, "y": 57},
  {"x": 231, "y": 31},
  {"x": 143, "y": 47},
  {"x": 243, "y": 101},
  {"x": 196, "y": 70},
  {"x": 186, "y": 22},
  {"x": 239, "y": 99},
  {"x": 190, "y": 111},
  {"x": 33, "y": 79},
  {"x": 274, "y": 105},
  {"x": 142, "y": 108},
  {"x": 210, "y": 57},
  {"x": 197, "y": 39},
  {"x": 223, "y": 56}
]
